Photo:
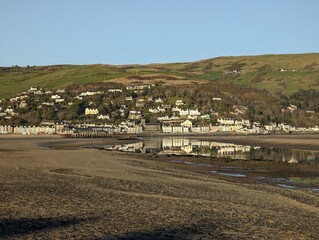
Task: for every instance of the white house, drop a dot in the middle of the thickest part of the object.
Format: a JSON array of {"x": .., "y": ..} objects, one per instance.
[
  {"x": 244, "y": 122},
  {"x": 176, "y": 109},
  {"x": 33, "y": 89},
  {"x": 179, "y": 102},
  {"x": 60, "y": 91},
  {"x": 159, "y": 100},
  {"x": 9, "y": 111},
  {"x": 103, "y": 117},
  {"x": 55, "y": 97},
  {"x": 134, "y": 115},
  {"x": 78, "y": 97},
  {"x": 115, "y": 90},
  {"x": 189, "y": 112},
  {"x": 177, "y": 129},
  {"x": 39, "y": 92},
  {"x": 194, "y": 112},
  {"x": 137, "y": 87},
  {"x": 48, "y": 103},
  {"x": 91, "y": 111},
  {"x": 187, "y": 123},
  {"x": 226, "y": 121},
  {"x": 59, "y": 100},
  {"x": 206, "y": 116},
  {"x": 23, "y": 104}
]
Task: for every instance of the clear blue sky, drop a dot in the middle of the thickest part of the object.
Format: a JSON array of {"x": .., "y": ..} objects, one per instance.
[{"x": 45, "y": 32}]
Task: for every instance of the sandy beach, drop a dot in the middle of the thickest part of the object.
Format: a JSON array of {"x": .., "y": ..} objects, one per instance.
[{"x": 51, "y": 188}]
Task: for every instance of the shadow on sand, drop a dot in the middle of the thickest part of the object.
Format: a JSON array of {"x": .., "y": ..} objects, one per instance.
[
  {"x": 205, "y": 231},
  {"x": 23, "y": 226}
]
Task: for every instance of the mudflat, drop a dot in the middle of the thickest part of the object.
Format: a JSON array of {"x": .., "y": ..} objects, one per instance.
[{"x": 52, "y": 188}]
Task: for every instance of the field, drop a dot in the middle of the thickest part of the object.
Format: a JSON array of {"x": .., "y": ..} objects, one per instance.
[
  {"x": 263, "y": 72},
  {"x": 52, "y": 189}
]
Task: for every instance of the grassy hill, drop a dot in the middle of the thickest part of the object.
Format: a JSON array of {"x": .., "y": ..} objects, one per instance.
[{"x": 275, "y": 73}]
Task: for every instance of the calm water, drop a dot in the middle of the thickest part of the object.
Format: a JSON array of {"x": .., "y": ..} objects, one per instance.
[{"x": 193, "y": 147}]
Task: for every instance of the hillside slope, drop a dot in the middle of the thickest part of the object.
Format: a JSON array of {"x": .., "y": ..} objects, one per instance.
[{"x": 276, "y": 73}]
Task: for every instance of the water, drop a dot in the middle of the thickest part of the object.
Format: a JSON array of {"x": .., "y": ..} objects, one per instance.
[
  {"x": 193, "y": 147},
  {"x": 229, "y": 174},
  {"x": 275, "y": 174}
]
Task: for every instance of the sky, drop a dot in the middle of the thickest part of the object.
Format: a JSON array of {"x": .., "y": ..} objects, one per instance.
[{"x": 48, "y": 32}]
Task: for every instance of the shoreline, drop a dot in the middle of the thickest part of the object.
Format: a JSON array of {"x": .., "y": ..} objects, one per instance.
[{"x": 289, "y": 141}]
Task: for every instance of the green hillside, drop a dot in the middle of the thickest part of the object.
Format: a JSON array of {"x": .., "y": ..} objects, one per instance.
[{"x": 276, "y": 73}]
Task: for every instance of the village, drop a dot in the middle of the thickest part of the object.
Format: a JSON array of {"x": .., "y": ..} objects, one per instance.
[{"x": 132, "y": 109}]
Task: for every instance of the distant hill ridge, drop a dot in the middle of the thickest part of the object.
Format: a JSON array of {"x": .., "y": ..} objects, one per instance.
[{"x": 284, "y": 74}]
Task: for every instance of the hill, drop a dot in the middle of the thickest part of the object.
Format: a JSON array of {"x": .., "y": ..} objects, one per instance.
[{"x": 285, "y": 74}]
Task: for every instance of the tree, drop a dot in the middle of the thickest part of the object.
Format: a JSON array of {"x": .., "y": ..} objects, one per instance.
[{"x": 77, "y": 109}]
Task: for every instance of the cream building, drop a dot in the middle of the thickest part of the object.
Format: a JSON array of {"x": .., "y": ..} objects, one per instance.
[{"x": 91, "y": 111}]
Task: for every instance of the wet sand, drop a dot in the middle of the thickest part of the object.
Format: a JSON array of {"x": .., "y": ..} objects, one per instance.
[{"x": 53, "y": 189}]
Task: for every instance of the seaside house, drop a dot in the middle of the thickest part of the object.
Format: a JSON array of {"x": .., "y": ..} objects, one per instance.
[
  {"x": 177, "y": 129},
  {"x": 6, "y": 129},
  {"x": 167, "y": 129},
  {"x": 187, "y": 124}
]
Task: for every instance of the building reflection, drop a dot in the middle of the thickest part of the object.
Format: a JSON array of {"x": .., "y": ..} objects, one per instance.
[{"x": 192, "y": 147}]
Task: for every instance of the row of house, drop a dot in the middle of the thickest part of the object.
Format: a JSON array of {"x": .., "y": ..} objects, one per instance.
[{"x": 27, "y": 130}]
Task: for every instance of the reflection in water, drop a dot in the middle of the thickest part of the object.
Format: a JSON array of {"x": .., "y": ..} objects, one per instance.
[{"x": 193, "y": 147}]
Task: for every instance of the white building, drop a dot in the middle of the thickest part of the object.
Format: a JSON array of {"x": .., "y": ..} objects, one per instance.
[
  {"x": 187, "y": 123},
  {"x": 33, "y": 89},
  {"x": 103, "y": 117},
  {"x": 167, "y": 129},
  {"x": 137, "y": 87},
  {"x": 159, "y": 100},
  {"x": 39, "y": 92},
  {"x": 88, "y": 93},
  {"x": 189, "y": 112},
  {"x": 55, "y": 97},
  {"x": 115, "y": 90},
  {"x": 60, "y": 91},
  {"x": 134, "y": 115},
  {"x": 226, "y": 121},
  {"x": 179, "y": 102},
  {"x": 59, "y": 100},
  {"x": 91, "y": 111}
]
